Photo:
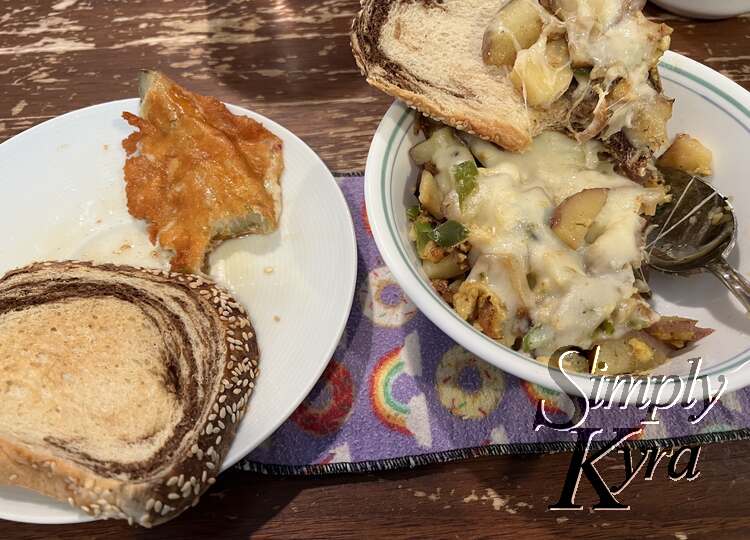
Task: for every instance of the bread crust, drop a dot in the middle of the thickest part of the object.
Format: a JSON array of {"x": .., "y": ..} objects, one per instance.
[
  {"x": 178, "y": 483},
  {"x": 364, "y": 36}
]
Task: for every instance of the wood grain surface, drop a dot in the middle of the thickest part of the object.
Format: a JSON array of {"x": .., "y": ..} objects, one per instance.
[{"x": 290, "y": 60}]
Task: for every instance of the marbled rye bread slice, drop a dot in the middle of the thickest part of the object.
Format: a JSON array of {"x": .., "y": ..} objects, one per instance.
[{"x": 120, "y": 388}]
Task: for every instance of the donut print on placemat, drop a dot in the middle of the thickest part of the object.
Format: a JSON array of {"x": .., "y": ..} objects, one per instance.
[
  {"x": 651, "y": 431},
  {"x": 554, "y": 402},
  {"x": 383, "y": 301},
  {"x": 392, "y": 378},
  {"x": 337, "y": 454},
  {"x": 498, "y": 435},
  {"x": 329, "y": 404},
  {"x": 468, "y": 387}
]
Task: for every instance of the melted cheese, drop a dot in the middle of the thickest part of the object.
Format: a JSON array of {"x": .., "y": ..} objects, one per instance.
[
  {"x": 619, "y": 43},
  {"x": 508, "y": 216},
  {"x": 609, "y": 43}
]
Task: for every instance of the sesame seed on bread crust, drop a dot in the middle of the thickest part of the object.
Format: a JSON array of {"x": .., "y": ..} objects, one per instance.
[{"x": 130, "y": 420}]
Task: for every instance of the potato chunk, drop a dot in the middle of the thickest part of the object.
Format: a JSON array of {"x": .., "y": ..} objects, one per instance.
[
  {"x": 649, "y": 127},
  {"x": 516, "y": 26},
  {"x": 543, "y": 73},
  {"x": 687, "y": 154},
  {"x": 572, "y": 218},
  {"x": 632, "y": 353},
  {"x": 678, "y": 331},
  {"x": 429, "y": 194},
  {"x": 452, "y": 265}
]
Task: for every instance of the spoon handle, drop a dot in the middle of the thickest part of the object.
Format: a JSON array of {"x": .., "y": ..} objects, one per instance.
[{"x": 733, "y": 280}]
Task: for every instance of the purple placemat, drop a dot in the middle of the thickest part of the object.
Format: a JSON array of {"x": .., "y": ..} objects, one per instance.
[{"x": 400, "y": 393}]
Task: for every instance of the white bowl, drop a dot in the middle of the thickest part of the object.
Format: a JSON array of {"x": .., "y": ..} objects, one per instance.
[
  {"x": 710, "y": 107},
  {"x": 702, "y": 9}
]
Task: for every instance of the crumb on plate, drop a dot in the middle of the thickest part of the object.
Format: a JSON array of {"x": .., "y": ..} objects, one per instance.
[{"x": 126, "y": 245}]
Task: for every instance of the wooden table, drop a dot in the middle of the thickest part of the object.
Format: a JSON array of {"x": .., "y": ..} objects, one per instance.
[{"x": 290, "y": 60}]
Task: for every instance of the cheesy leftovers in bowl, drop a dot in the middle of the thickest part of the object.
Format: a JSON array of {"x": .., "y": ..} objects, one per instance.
[{"x": 542, "y": 250}]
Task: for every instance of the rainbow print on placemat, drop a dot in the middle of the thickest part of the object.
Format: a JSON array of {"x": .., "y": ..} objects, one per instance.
[
  {"x": 389, "y": 410},
  {"x": 406, "y": 417}
]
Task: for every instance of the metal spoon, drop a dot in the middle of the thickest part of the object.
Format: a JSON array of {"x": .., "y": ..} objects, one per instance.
[{"x": 695, "y": 232}]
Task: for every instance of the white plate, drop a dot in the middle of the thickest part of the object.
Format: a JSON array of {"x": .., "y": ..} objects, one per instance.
[
  {"x": 703, "y": 9},
  {"x": 708, "y": 106},
  {"x": 62, "y": 196}
]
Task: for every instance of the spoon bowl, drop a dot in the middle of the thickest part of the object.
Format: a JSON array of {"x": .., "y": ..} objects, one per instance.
[{"x": 695, "y": 231}]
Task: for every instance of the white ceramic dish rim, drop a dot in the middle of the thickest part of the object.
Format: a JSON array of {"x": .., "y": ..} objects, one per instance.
[
  {"x": 348, "y": 237},
  {"x": 705, "y": 10},
  {"x": 378, "y": 196}
]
